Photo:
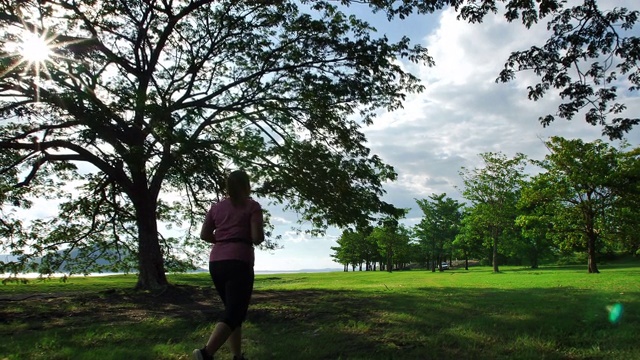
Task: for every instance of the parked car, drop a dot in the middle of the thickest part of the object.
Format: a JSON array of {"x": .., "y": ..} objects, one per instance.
[{"x": 444, "y": 266}]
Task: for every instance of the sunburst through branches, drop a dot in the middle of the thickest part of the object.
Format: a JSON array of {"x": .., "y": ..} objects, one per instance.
[
  {"x": 31, "y": 53},
  {"x": 35, "y": 49}
]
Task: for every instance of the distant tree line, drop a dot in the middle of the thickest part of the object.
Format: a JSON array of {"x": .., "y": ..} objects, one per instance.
[{"x": 584, "y": 199}]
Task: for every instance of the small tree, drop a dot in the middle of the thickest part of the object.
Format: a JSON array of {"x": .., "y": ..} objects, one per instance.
[
  {"x": 392, "y": 239},
  {"x": 438, "y": 227},
  {"x": 535, "y": 219},
  {"x": 470, "y": 239}
]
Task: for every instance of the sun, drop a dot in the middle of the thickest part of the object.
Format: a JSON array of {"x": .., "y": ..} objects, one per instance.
[
  {"x": 32, "y": 53},
  {"x": 34, "y": 48}
]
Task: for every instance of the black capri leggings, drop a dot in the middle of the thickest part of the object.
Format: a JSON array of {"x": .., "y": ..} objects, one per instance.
[{"x": 233, "y": 280}]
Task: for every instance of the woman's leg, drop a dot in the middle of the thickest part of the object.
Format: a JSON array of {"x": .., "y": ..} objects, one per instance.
[
  {"x": 218, "y": 337},
  {"x": 220, "y": 274},
  {"x": 239, "y": 290},
  {"x": 233, "y": 281},
  {"x": 235, "y": 342}
]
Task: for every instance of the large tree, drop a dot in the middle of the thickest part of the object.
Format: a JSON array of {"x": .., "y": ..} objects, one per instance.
[
  {"x": 141, "y": 107},
  {"x": 493, "y": 191},
  {"x": 587, "y": 188}
]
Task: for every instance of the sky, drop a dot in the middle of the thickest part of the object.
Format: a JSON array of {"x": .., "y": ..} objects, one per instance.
[{"x": 462, "y": 112}]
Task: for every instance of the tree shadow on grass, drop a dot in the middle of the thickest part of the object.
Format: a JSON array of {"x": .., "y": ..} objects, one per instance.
[
  {"x": 603, "y": 267},
  {"x": 441, "y": 324},
  {"x": 423, "y": 323}
]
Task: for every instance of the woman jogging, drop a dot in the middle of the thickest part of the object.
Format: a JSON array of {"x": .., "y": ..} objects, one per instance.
[{"x": 238, "y": 225}]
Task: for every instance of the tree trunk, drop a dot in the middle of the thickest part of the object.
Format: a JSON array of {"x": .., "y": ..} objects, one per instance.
[
  {"x": 495, "y": 252},
  {"x": 591, "y": 253},
  {"x": 466, "y": 261},
  {"x": 150, "y": 261},
  {"x": 534, "y": 259}
]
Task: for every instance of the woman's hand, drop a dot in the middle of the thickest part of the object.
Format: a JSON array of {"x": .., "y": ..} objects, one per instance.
[{"x": 210, "y": 240}]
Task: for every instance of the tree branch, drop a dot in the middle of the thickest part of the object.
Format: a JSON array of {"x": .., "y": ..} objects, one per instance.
[{"x": 82, "y": 155}]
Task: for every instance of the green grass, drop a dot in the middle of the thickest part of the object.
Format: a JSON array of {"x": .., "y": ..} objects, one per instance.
[
  {"x": 549, "y": 313},
  {"x": 72, "y": 284}
]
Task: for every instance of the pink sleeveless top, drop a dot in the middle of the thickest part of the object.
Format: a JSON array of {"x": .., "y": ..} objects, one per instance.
[{"x": 234, "y": 223}]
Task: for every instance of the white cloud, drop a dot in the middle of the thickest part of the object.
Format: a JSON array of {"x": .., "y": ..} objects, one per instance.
[
  {"x": 280, "y": 220},
  {"x": 294, "y": 237},
  {"x": 464, "y": 112},
  {"x": 307, "y": 253}
]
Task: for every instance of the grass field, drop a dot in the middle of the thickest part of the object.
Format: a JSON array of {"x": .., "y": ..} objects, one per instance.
[{"x": 550, "y": 313}]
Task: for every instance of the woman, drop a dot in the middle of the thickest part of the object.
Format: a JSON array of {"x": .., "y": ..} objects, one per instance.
[{"x": 238, "y": 225}]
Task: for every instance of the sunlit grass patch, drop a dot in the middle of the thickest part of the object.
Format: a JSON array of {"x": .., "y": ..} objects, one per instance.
[{"x": 552, "y": 313}]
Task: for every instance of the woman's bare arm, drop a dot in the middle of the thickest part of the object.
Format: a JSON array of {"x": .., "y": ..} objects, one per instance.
[
  {"x": 257, "y": 228},
  {"x": 206, "y": 232}
]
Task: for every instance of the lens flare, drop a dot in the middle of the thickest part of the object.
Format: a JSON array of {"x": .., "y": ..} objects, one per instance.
[
  {"x": 35, "y": 48},
  {"x": 615, "y": 312}
]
